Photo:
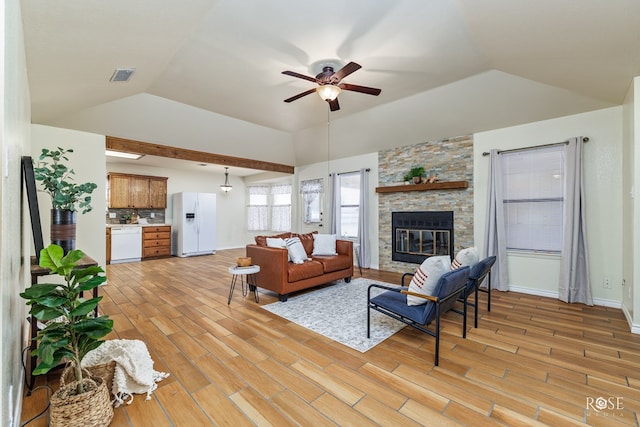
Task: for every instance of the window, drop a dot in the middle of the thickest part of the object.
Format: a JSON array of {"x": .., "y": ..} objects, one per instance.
[
  {"x": 349, "y": 186},
  {"x": 281, "y": 207},
  {"x": 258, "y": 211},
  {"x": 311, "y": 192},
  {"x": 533, "y": 196},
  {"x": 269, "y": 208}
]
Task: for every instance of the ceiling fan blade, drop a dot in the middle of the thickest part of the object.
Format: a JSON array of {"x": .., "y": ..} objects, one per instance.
[
  {"x": 300, "y": 76},
  {"x": 300, "y": 95},
  {"x": 345, "y": 71},
  {"x": 334, "y": 105},
  {"x": 361, "y": 89}
]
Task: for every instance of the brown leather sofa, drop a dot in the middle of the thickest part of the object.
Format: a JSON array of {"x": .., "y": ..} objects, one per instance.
[{"x": 281, "y": 276}]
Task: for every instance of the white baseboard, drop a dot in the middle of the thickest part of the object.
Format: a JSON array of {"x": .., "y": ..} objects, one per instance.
[
  {"x": 554, "y": 294},
  {"x": 634, "y": 328}
]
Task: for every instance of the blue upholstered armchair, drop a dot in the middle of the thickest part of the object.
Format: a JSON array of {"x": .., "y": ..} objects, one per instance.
[{"x": 393, "y": 303}]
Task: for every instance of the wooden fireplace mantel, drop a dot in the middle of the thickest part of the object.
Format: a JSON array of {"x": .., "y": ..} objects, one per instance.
[{"x": 446, "y": 185}]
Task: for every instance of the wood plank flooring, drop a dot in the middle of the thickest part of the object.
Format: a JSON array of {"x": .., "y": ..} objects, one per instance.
[{"x": 532, "y": 361}]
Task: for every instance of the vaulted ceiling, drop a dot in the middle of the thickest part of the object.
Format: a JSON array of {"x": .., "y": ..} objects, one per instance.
[{"x": 226, "y": 56}]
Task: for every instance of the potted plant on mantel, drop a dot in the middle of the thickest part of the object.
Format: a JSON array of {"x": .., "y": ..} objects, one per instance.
[
  {"x": 414, "y": 175},
  {"x": 71, "y": 331},
  {"x": 67, "y": 197}
]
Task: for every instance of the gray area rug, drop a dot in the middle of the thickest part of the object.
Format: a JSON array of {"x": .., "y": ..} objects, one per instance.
[{"x": 339, "y": 312}]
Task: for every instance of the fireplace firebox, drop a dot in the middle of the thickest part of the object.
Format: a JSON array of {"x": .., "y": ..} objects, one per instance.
[{"x": 420, "y": 234}]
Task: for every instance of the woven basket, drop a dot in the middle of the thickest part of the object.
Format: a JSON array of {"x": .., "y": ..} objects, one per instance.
[
  {"x": 104, "y": 371},
  {"x": 92, "y": 408}
]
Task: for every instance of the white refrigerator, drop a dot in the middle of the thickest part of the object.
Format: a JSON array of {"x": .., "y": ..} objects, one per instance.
[{"x": 194, "y": 224}]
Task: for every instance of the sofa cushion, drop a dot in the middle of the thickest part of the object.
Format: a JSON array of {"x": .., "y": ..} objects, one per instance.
[
  {"x": 303, "y": 271},
  {"x": 467, "y": 256},
  {"x": 324, "y": 244},
  {"x": 297, "y": 253},
  {"x": 333, "y": 262},
  {"x": 307, "y": 241},
  {"x": 426, "y": 278}
]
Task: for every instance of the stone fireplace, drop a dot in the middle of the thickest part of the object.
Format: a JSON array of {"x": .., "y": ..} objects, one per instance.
[
  {"x": 419, "y": 235},
  {"x": 451, "y": 160}
]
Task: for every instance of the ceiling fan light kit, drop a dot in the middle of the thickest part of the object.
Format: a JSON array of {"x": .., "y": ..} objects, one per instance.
[
  {"x": 329, "y": 84},
  {"x": 328, "y": 92}
]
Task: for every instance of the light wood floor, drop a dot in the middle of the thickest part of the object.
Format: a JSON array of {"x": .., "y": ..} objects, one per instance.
[{"x": 532, "y": 361}]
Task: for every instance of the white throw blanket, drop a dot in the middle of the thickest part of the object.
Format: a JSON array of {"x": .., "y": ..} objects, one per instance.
[{"x": 134, "y": 371}]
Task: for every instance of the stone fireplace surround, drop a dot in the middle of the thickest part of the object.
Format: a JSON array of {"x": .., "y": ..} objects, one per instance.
[{"x": 451, "y": 160}]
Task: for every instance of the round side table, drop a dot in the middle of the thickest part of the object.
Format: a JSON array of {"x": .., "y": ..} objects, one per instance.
[{"x": 250, "y": 281}]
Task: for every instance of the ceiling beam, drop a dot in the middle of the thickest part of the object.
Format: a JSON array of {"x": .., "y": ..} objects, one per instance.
[{"x": 138, "y": 147}]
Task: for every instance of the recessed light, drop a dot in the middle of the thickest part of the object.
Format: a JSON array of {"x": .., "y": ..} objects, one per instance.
[{"x": 123, "y": 155}]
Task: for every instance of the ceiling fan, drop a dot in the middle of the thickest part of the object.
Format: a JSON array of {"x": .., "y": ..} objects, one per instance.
[{"x": 329, "y": 85}]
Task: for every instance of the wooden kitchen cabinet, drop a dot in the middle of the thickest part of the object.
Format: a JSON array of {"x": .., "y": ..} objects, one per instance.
[
  {"x": 157, "y": 192},
  {"x": 137, "y": 191},
  {"x": 156, "y": 241}
]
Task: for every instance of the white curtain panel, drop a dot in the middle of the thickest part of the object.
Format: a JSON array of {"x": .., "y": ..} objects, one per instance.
[
  {"x": 574, "y": 267},
  {"x": 496, "y": 240},
  {"x": 258, "y": 214},
  {"x": 334, "y": 203},
  {"x": 363, "y": 221}
]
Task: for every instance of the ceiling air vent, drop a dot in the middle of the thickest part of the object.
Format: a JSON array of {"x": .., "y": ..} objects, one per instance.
[{"x": 122, "y": 74}]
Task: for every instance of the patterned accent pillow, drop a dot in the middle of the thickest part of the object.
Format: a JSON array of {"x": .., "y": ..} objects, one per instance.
[
  {"x": 297, "y": 253},
  {"x": 426, "y": 278},
  {"x": 468, "y": 256}
]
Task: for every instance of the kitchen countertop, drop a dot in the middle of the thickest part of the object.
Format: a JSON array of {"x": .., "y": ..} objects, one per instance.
[{"x": 135, "y": 225}]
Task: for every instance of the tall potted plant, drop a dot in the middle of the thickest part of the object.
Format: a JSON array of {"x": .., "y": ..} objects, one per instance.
[
  {"x": 71, "y": 329},
  {"x": 67, "y": 197}
]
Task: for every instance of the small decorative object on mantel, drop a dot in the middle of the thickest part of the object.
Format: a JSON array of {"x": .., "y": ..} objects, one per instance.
[
  {"x": 430, "y": 179},
  {"x": 66, "y": 196}
]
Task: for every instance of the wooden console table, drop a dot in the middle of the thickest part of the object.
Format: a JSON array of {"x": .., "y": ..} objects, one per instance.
[{"x": 37, "y": 271}]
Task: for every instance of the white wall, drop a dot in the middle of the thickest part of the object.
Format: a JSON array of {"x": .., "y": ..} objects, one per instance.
[
  {"x": 88, "y": 161},
  {"x": 322, "y": 170},
  {"x": 628, "y": 206},
  {"x": 231, "y": 228},
  {"x": 538, "y": 274},
  {"x": 15, "y": 227}
]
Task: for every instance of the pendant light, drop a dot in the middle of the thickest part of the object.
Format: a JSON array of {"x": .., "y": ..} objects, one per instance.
[{"x": 226, "y": 187}]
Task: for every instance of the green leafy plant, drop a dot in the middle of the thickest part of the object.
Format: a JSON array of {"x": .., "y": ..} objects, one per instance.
[
  {"x": 72, "y": 330},
  {"x": 57, "y": 181},
  {"x": 416, "y": 171}
]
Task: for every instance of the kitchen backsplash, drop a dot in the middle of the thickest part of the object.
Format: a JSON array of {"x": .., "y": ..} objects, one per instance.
[{"x": 124, "y": 216}]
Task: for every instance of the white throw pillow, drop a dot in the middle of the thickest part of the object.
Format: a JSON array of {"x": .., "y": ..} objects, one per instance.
[
  {"x": 277, "y": 242},
  {"x": 296, "y": 251},
  {"x": 426, "y": 278},
  {"x": 324, "y": 244},
  {"x": 467, "y": 256}
]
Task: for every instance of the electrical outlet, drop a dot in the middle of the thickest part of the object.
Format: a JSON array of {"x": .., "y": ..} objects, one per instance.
[
  {"x": 112, "y": 215},
  {"x": 606, "y": 283},
  {"x": 152, "y": 214}
]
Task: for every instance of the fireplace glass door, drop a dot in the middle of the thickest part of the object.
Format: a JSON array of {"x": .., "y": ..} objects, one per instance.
[{"x": 422, "y": 242}]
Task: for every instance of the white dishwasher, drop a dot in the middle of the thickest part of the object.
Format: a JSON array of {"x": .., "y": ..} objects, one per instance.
[{"x": 126, "y": 244}]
